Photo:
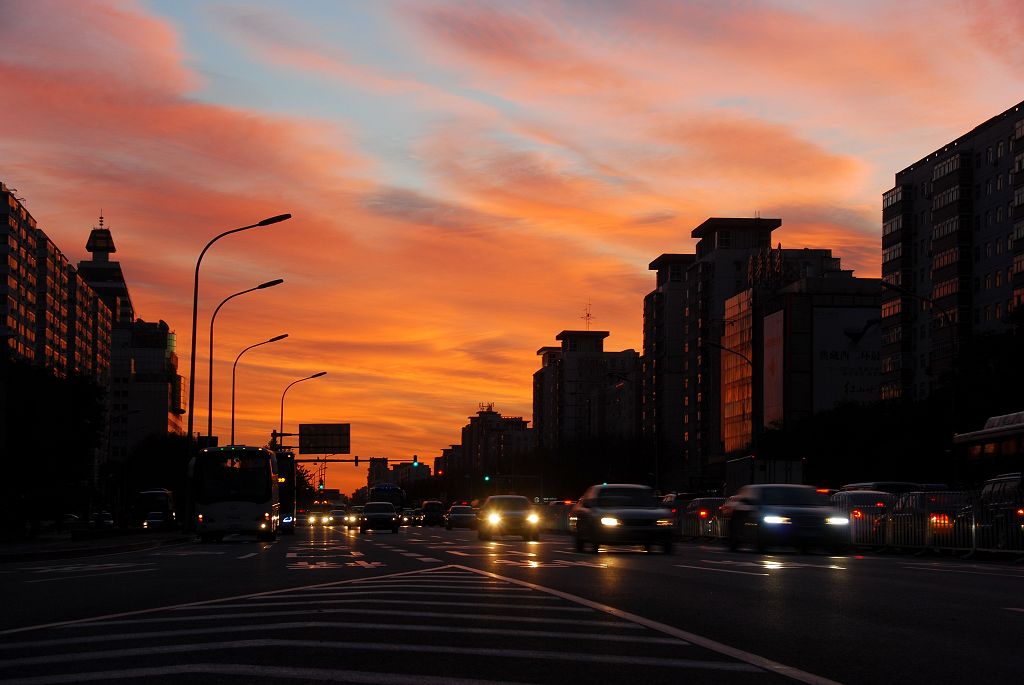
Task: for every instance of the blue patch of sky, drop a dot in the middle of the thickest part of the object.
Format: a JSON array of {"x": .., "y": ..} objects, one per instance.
[{"x": 383, "y": 126}]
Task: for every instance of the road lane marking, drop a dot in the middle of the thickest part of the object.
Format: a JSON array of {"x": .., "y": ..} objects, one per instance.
[
  {"x": 261, "y": 672},
  {"x": 403, "y": 602},
  {"x": 92, "y": 575},
  {"x": 321, "y": 645},
  {"x": 246, "y": 556},
  {"x": 205, "y": 602},
  {"x": 722, "y": 570},
  {"x": 603, "y": 623},
  {"x": 560, "y": 635},
  {"x": 953, "y": 570},
  {"x": 707, "y": 643}
]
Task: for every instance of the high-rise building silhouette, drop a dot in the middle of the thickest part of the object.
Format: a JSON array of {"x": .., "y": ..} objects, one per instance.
[
  {"x": 952, "y": 254},
  {"x": 49, "y": 315}
]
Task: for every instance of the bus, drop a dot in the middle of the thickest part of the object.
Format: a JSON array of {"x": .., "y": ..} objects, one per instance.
[
  {"x": 995, "y": 449},
  {"x": 236, "y": 491},
  {"x": 387, "y": 492},
  {"x": 147, "y": 502},
  {"x": 286, "y": 490}
]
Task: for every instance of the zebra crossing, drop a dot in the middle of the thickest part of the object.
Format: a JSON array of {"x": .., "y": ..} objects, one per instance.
[{"x": 446, "y": 624}]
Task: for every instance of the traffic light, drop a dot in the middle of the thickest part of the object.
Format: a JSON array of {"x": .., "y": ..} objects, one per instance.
[
  {"x": 320, "y": 485},
  {"x": 357, "y": 460},
  {"x": 415, "y": 460},
  {"x": 440, "y": 472},
  {"x": 486, "y": 478}
]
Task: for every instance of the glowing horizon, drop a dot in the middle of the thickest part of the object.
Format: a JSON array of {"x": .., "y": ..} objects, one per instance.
[{"x": 464, "y": 178}]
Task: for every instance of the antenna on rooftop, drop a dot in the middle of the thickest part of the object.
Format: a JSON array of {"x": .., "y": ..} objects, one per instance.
[{"x": 587, "y": 316}]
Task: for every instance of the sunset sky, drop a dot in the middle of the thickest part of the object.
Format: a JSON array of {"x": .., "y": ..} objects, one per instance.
[{"x": 464, "y": 177}]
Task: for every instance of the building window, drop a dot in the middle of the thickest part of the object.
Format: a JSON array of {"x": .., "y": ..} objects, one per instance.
[
  {"x": 892, "y": 225},
  {"x": 1000, "y": 150},
  {"x": 892, "y": 253}
]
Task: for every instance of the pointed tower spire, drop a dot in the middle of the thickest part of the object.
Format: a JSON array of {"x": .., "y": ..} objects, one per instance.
[{"x": 100, "y": 243}]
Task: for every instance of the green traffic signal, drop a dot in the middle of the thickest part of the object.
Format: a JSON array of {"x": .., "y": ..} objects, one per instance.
[{"x": 487, "y": 478}]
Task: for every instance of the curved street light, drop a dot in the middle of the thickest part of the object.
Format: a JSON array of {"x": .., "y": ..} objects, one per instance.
[
  {"x": 209, "y": 406},
  {"x": 234, "y": 367},
  {"x": 280, "y": 427},
  {"x": 195, "y": 311}
]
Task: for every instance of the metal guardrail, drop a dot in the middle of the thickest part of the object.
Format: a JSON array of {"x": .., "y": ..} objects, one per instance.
[{"x": 952, "y": 520}]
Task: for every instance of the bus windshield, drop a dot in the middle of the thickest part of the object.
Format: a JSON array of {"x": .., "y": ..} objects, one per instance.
[{"x": 234, "y": 477}]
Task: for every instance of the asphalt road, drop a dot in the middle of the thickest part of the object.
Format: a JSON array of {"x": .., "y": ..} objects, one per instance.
[{"x": 430, "y": 606}]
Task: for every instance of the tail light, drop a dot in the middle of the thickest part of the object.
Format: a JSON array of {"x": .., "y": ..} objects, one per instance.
[
  {"x": 674, "y": 510},
  {"x": 822, "y": 491},
  {"x": 940, "y": 519},
  {"x": 1020, "y": 512},
  {"x": 703, "y": 513},
  {"x": 857, "y": 514},
  {"x": 880, "y": 504}
]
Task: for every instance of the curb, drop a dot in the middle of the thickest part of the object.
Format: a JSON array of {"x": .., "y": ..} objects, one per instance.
[{"x": 76, "y": 552}]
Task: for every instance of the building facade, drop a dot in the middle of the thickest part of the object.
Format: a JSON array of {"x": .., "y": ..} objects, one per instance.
[
  {"x": 802, "y": 339},
  {"x": 952, "y": 254}
]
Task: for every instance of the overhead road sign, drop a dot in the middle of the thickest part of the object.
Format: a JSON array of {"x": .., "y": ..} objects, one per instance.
[{"x": 325, "y": 438}]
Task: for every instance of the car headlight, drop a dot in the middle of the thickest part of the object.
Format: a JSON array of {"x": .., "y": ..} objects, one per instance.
[
  {"x": 777, "y": 519},
  {"x": 145, "y": 524},
  {"x": 533, "y": 518},
  {"x": 664, "y": 522},
  {"x": 609, "y": 521},
  {"x": 312, "y": 519},
  {"x": 493, "y": 519},
  {"x": 837, "y": 521}
]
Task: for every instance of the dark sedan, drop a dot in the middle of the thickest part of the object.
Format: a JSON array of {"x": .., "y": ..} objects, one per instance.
[
  {"x": 621, "y": 514},
  {"x": 797, "y": 515},
  {"x": 508, "y": 515},
  {"x": 378, "y": 516},
  {"x": 459, "y": 516}
]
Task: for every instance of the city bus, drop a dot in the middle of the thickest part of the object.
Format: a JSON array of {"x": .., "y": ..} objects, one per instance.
[
  {"x": 387, "y": 492},
  {"x": 236, "y": 491}
]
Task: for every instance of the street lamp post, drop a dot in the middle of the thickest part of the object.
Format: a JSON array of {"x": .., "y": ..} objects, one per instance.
[
  {"x": 195, "y": 310},
  {"x": 234, "y": 367},
  {"x": 280, "y": 427},
  {"x": 209, "y": 406}
]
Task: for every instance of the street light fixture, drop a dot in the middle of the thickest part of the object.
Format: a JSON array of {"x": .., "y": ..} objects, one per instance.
[
  {"x": 195, "y": 310},
  {"x": 235, "y": 367},
  {"x": 280, "y": 427},
  {"x": 209, "y": 406}
]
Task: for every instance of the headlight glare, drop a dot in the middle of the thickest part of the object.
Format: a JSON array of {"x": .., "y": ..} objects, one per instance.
[
  {"x": 664, "y": 522},
  {"x": 837, "y": 521},
  {"x": 609, "y": 521},
  {"x": 533, "y": 518},
  {"x": 777, "y": 519},
  {"x": 493, "y": 519}
]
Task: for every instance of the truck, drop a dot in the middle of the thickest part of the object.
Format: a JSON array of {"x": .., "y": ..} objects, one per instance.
[{"x": 752, "y": 470}]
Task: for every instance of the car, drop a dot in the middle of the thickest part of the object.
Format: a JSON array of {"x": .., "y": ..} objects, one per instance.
[
  {"x": 406, "y": 517},
  {"x": 433, "y": 512},
  {"x": 337, "y": 516},
  {"x": 676, "y": 502},
  {"x": 508, "y": 515},
  {"x": 416, "y": 517},
  {"x": 353, "y": 517},
  {"x": 777, "y": 514},
  {"x": 893, "y": 487},
  {"x": 701, "y": 518},
  {"x": 158, "y": 520},
  {"x": 1000, "y": 513},
  {"x": 621, "y": 514},
  {"x": 320, "y": 517},
  {"x": 460, "y": 516},
  {"x": 102, "y": 519},
  {"x": 378, "y": 516},
  {"x": 929, "y": 519},
  {"x": 868, "y": 511}
]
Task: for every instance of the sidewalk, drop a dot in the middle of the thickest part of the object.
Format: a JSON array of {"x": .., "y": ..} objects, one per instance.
[{"x": 52, "y": 545}]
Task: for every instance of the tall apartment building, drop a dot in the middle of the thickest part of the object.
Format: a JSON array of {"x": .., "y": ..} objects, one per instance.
[
  {"x": 952, "y": 254},
  {"x": 576, "y": 385},
  {"x": 49, "y": 315},
  {"x": 663, "y": 357},
  {"x": 492, "y": 443},
  {"x": 18, "y": 277},
  {"x": 684, "y": 321}
]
